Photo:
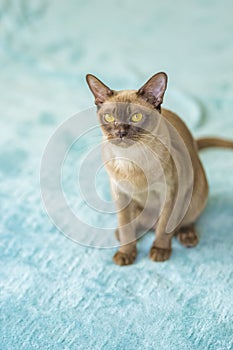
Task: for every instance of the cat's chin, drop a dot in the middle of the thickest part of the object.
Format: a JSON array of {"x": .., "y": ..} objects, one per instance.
[{"x": 124, "y": 143}]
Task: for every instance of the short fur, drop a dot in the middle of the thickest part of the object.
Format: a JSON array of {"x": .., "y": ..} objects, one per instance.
[{"x": 124, "y": 145}]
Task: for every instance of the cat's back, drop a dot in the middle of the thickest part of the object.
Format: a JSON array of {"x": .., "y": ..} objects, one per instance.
[{"x": 183, "y": 132}]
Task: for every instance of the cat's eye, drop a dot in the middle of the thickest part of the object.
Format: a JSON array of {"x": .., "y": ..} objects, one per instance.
[
  {"x": 109, "y": 118},
  {"x": 136, "y": 117}
]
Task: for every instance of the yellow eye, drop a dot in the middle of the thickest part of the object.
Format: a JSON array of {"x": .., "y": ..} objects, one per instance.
[
  {"x": 109, "y": 118},
  {"x": 136, "y": 117}
]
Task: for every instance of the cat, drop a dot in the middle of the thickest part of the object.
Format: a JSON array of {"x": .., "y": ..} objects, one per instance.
[{"x": 156, "y": 176}]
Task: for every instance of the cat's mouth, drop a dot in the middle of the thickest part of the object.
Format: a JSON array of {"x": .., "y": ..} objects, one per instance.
[
  {"x": 121, "y": 141},
  {"x": 128, "y": 140},
  {"x": 125, "y": 135}
]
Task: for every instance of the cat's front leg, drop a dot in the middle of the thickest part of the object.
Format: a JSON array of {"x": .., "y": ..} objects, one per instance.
[
  {"x": 126, "y": 231},
  {"x": 162, "y": 246}
]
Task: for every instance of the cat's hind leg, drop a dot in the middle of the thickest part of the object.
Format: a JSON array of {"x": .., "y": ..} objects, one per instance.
[{"x": 187, "y": 236}]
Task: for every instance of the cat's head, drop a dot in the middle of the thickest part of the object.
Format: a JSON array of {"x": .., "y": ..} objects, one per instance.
[{"x": 128, "y": 116}]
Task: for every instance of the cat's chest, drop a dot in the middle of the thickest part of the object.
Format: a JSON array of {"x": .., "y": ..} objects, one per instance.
[
  {"x": 136, "y": 186},
  {"x": 126, "y": 167},
  {"x": 136, "y": 169},
  {"x": 141, "y": 179},
  {"x": 140, "y": 172},
  {"x": 123, "y": 168},
  {"x": 126, "y": 174}
]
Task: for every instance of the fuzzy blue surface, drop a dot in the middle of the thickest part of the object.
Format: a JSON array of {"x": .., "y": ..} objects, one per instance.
[{"x": 54, "y": 293}]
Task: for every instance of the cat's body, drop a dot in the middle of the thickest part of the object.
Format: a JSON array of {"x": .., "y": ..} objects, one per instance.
[
  {"x": 156, "y": 175},
  {"x": 120, "y": 168}
]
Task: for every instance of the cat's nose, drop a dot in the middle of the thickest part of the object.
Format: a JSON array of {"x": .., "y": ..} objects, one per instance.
[{"x": 122, "y": 133}]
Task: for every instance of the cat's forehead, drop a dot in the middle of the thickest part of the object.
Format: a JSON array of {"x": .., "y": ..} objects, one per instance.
[
  {"x": 126, "y": 101},
  {"x": 128, "y": 96}
]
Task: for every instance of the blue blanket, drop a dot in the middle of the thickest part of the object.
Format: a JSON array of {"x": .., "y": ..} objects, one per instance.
[{"x": 55, "y": 294}]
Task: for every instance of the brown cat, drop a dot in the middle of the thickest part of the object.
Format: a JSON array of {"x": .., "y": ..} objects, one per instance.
[{"x": 156, "y": 176}]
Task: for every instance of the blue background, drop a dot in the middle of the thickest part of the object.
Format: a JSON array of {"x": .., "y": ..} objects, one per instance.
[{"x": 54, "y": 293}]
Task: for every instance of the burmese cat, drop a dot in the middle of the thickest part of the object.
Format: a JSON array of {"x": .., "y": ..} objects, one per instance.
[{"x": 156, "y": 176}]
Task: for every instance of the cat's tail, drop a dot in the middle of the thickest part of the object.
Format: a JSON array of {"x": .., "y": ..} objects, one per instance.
[{"x": 206, "y": 142}]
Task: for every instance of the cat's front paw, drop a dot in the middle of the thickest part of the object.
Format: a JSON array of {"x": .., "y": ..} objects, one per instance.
[
  {"x": 159, "y": 254},
  {"x": 122, "y": 258}
]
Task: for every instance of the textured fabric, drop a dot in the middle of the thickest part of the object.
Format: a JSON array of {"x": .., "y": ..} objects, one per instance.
[{"x": 54, "y": 293}]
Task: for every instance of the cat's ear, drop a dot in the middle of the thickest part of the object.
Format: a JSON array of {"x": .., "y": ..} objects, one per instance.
[
  {"x": 153, "y": 90},
  {"x": 100, "y": 91}
]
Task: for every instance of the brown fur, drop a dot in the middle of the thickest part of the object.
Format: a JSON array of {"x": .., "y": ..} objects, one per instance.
[
  {"x": 207, "y": 142},
  {"x": 148, "y": 98}
]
